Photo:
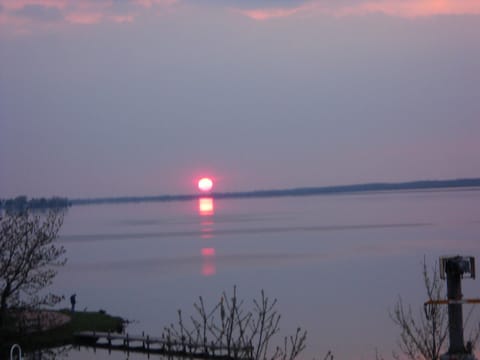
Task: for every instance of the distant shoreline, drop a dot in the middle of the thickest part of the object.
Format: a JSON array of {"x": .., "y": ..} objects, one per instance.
[{"x": 293, "y": 192}]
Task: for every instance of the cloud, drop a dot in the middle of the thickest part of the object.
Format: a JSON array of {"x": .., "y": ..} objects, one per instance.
[
  {"x": 265, "y": 14},
  {"x": 84, "y": 18},
  {"x": 414, "y": 8},
  {"x": 20, "y": 4},
  {"x": 397, "y": 8},
  {"x": 254, "y": 4},
  {"x": 39, "y": 12},
  {"x": 30, "y": 13},
  {"x": 122, "y": 18},
  {"x": 151, "y": 3}
]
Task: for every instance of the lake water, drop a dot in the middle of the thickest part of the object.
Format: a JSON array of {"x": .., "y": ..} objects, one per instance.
[{"x": 335, "y": 263}]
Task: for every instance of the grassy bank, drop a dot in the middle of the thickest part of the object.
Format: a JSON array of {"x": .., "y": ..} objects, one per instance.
[{"x": 62, "y": 335}]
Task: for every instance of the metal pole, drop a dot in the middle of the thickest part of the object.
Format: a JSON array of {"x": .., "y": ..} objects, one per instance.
[{"x": 455, "y": 313}]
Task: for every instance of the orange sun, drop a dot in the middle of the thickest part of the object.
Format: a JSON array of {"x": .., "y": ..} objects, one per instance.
[{"x": 205, "y": 184}]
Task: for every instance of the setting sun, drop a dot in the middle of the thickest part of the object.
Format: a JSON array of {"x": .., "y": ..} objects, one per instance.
[{"x": 205, "y": 184}]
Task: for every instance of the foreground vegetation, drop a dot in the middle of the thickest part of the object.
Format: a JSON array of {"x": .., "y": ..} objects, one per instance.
[
  {"x": 30, "y": 339},
  {"x": 29, "y": 260},
  {"x": 246, "y": 331}
]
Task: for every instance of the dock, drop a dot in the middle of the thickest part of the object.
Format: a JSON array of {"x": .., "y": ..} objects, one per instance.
[{"x": 163, "y": 346}]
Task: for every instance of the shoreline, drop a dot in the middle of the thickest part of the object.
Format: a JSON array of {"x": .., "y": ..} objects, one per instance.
[{"x": 57, "y": 328}]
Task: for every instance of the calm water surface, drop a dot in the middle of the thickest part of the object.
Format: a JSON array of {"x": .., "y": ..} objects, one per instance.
[{"x": 335, "y": 263}]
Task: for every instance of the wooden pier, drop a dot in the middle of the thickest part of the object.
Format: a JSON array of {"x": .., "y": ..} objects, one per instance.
[{"x": 154, "y": 345}]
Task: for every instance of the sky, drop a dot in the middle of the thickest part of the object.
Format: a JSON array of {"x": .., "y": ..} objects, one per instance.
[{"x": 104, "y": 98}]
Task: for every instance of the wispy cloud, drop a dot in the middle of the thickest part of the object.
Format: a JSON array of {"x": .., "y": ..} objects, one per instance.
[
  {"x": 123, "y": 18},
  {"x": 152, "y": 3},
  {"x": 84, "y": 18},
  {"x": 397, "y": 8},
  {"x": 9, "y": 5},
  {"x": 40, "y": 13},
  {"x": 270, "y": 13},
  {"x": 414, "y": 8},
  {"x": 23, "y": 15}
]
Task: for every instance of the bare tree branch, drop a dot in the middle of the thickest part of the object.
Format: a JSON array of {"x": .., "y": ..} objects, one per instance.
[
  {"x": 245, "y": 334},
  {"x": 29, "y": 258},
  {"x": 423, "y": 336}
]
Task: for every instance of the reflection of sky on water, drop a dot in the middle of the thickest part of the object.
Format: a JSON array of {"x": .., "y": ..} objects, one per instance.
[
  {"x": 335, "y": 263},
  {"x": 207, "y": 231}
]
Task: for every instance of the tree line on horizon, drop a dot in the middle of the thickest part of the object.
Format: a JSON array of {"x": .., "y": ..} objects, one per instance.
[
  {"x": 23, "y": 203},
  {"x": 300, "y": 191}
]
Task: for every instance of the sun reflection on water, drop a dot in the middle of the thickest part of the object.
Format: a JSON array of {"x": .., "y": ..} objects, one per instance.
[
  {"x": 205, "y": 206},
  {"x": 206, "y": 210}
]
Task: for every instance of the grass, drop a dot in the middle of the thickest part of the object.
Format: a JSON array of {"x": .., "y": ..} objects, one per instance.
[{"x": 63, "y": 335}]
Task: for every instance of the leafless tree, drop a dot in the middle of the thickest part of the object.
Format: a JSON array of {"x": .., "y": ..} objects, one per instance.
[
  {"x": 240, "y": 333},
  {"x": 423, "y": 336},
  {"x": 29, "y": 258}
]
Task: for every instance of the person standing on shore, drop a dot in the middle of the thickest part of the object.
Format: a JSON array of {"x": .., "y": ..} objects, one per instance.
[{"x": 73, "y": 301}]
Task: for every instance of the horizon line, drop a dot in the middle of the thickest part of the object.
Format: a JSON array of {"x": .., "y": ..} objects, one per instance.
[{"x": 295, "y": 191}]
